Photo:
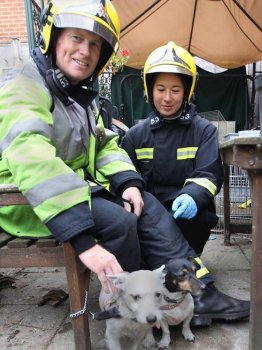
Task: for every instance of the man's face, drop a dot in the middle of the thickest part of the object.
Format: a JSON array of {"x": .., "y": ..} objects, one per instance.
[{"x": 77, "y": 53}]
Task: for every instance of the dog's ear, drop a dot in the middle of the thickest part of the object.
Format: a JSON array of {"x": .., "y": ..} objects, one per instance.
[
  {"x": 161, "y": 271},
  {"x": 195, "y": 264},
  {"x": 119, "y": 279}
]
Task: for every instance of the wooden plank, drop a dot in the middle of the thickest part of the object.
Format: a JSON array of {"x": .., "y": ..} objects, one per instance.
[
  {"x": 20, "y": 243},
  {"x": 78, "y": 278},
  {"x": 12, "y": 199},
  {"x": 4, "y": 188},
  {"x": 4, "y": 238},
  {"x": 32, "y": 257},
  {"x": 46, "y": 242},
  {"x": 10, "y": 195},
  {"x": 247, "y": 141}
]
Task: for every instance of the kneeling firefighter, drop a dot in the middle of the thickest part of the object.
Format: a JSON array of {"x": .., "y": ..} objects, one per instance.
[{"x": 176, "y": 152}]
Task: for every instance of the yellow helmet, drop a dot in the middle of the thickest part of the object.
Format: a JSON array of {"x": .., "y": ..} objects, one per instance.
[
  {"x": 170, "y": 59},
  {"x": 97, "y": 16}
]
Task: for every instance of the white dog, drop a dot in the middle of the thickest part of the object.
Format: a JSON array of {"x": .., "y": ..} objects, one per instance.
[{"x": 138, "y": 302}]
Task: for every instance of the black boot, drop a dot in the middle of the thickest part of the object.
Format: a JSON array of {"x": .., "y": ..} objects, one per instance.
[{"x": 214, "y": 305}]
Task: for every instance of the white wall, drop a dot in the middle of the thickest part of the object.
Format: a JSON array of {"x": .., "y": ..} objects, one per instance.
[{"x": 11, "y": 55}]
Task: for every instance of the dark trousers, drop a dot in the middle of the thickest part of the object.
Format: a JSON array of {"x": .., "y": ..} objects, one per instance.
[
  {"x": 154, "y": 238},
  {"x": 198, "y": 229}
]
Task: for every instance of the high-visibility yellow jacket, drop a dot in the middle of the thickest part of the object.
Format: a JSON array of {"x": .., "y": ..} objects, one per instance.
[{"x": 47, "y": 154}]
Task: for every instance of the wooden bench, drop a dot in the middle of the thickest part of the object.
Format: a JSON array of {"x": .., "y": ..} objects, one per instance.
[{"x": 17, "y": 253}]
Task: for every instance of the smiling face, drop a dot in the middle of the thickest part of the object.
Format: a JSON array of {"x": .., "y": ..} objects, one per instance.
[
  {"x": 77, "y": 53},
  {"x": 168, "y": 94}
]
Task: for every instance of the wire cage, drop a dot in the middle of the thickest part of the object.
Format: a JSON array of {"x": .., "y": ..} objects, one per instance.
[
  {"x": 214, "y": 115},
  {"x": 239, "y": 187},
  {"x": 240, "y": 200}
]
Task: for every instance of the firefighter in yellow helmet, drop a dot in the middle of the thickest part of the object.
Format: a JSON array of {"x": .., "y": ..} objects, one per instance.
[
  {"x": 170, "y": 59},
  {"x": 176, "y": 152}
]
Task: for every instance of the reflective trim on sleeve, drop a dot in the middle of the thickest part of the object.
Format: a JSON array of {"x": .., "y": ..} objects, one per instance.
[
  {"x": 144, "y": 153},
  {"x": 112, "y": 158},
  {"x": 53, "y": 187},
  {"x": 30, "y": 125},
  {"x": 186, "y": 153},
  {"x": 203, "y": 270},
  {"x": 206, "y": 183}
]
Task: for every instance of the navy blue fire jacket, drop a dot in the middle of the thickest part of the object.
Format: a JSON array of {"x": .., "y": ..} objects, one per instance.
[{"x": 177, "y": 156}]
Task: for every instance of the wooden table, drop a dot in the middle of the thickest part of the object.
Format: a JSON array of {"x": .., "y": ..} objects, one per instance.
[{"x": 246, "y": 153}]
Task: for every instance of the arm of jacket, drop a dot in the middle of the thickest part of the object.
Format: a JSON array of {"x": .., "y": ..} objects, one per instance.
[
  {"x": 129, "y": 146},
  {"x": 28, "y": 154},
  {"x": 71, "y": 223},
  {"x": 114, "y": 164},
  {"x": 207, "y": 177},
  {"x": 142, "y": 162}
]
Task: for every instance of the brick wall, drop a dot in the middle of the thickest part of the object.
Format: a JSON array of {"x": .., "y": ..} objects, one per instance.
[{"x": 12, "y": 21}]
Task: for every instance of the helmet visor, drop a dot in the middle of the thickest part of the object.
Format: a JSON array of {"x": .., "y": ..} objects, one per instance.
[
  {"x": 68, "y": 20},
  {"x": 168, "y": 68}
]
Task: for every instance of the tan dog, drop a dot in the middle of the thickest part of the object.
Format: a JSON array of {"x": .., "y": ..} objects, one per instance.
[{"x": 177, "y": 302}]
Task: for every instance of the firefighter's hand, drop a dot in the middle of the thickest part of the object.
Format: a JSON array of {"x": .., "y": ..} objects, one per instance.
[
  {"x": 184, "y": 207},
  {"x": 103, "y": 263},
  {"x": 132, "y": 198}
]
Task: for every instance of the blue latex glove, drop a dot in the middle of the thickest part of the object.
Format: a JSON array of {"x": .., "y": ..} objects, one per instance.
[{"x": 184, "y": 207}]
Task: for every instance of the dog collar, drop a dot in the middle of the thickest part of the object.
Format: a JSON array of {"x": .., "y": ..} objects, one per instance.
[
  {"x": 104, "y": 315},
  {"x": 172, "y": 303}
]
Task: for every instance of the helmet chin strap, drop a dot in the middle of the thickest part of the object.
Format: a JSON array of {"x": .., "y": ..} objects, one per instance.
[{"x": 60, "y": 85}]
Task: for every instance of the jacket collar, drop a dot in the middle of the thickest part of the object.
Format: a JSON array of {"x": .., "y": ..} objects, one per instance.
[{"x": 186, "y": 118}]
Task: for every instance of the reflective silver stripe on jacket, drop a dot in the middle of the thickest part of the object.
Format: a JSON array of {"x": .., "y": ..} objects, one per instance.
[
  {"x": 206, "y": 183},
  {"x": 144, "y": 153},
  {"x": 31, "y": 125},
  {"x": 186, "y": 153},
  {"x": 53, "y": 187},
  {"x": 112, "y": 158}
]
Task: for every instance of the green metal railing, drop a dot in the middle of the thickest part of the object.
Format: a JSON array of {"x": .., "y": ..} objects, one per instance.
[{"x": 33, "y": 10}]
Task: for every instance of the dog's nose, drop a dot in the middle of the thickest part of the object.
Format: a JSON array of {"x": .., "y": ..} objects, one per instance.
[{"x": 151, "y": 319}]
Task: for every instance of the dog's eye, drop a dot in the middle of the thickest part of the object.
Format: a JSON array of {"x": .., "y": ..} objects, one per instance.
[
  {"x": 136, "y": 297},
  {"x": 158, "y": 295},
  {"x": 183, "y": 274}
]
